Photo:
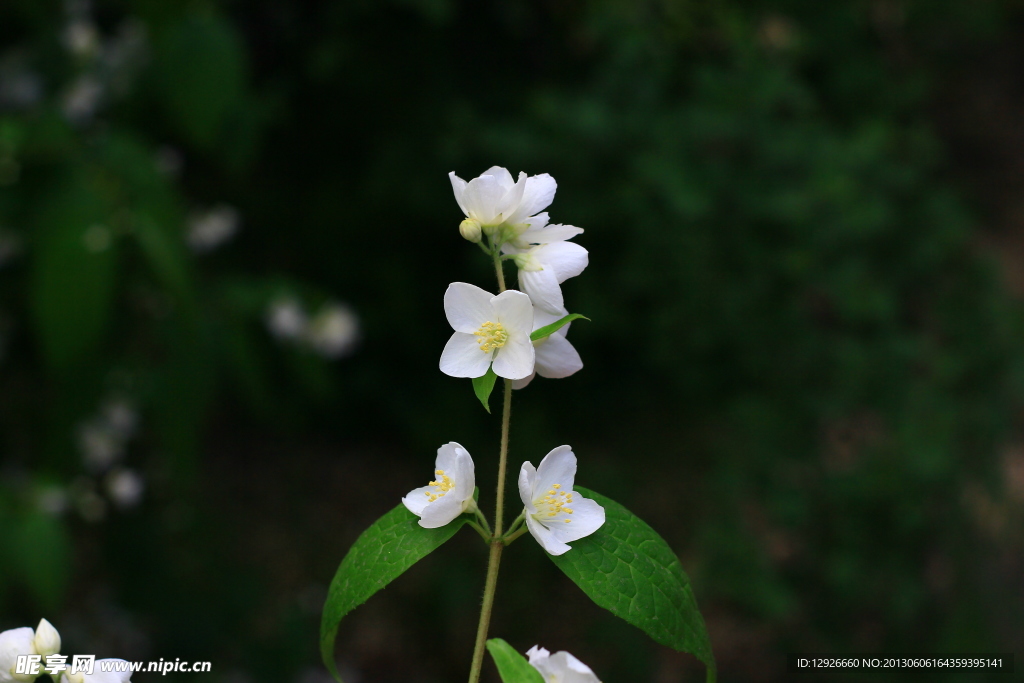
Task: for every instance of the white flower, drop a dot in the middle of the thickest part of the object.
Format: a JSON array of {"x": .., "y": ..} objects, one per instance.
[
  {"x": 555, "y": 356},
  {"x": 209, "y": 229},
  {"x": 560, "y": 667},
  {"x": 555, "y": 514},
  {"x": 494, "y": 197},
  {"x": 487, "y": 328},
  {"x": 334, "y": 331},
  {"x": 98, "y": 674},
  {"x": 17, "y": 641},
  {"x": 285, "y": 318},
  {"x": 125, "y": 487},
  {"x": 544, "y": 267},
  {"x": 46, "y": 640},
  {"x": 448, "y": 496}
]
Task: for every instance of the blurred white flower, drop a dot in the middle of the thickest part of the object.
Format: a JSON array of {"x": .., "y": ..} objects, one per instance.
[
  {"x": 125, "y": 487},
  {"x": 120, "y": 415},
  {"x": 543, "y": 268},
  {"x": 334, "y": 330},
  {"x": 560, "y": 667},
  {"x": 448, "y": 496},
  {"x": 488, "y": 329},
  {"x": 82, "y": 99},
  {"x": 286, "y": 319},
  {"x": 211, "y": 228},
  {"x": 101, "y": 446},
  {"x": 555, "y": 356},
  {"x": 81, "y": 38},
  {"x": 52, "y": 500},
  {"x": 15, "y": 642},
  {"x": 555, "y": 514},
  {"x": 494, "y": 197}
]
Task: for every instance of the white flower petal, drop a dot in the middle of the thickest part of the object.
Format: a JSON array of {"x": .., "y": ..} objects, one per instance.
[
  {"x": 549, "y": 234},
  {"x": 47, "y": 640},
  {"x": 556, "y": 357},
  {"x": 527, "y": 475},
  {"x": 462, "y": 472},
  {"x": 513, "y": 196},
  {"x": 542, "y": 288},
  {"x": 523, "y": 383},
  {"x": 515, "y": 360},
  {"x": 545, "y": 537},
  {"x": 100, "y": 676},
  {"x": 501, "y": 175},
  {"x": 467, "y": 307},
  {"x": 539, "y": 193},
  {"x": 441, "y": 511},
  {"x": 14, "y": 642},
  {"x": 557, "y": 467},
  {"x": 462, "y": 357},
  {"x": 515, "y": 311},
  {"x": 459, "y": 187},
  {"x": 481, "y": 197},
  {"x": 586, "y": 518},
  {"x": 567, "y": 259},
  {"x": 416, "y": 500},
  {"x": 542, "y": 318}
]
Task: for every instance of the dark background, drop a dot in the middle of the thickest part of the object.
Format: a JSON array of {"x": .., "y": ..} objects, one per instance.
[{"x": 805, "y": 367}]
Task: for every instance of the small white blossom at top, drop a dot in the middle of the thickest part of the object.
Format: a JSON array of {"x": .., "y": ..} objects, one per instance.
[
  {"x": 488, "y": 329},
  {"x": 15, "y": 642},
  {"x": 555, "y": 356},
  {"x": 450, "y": 493},
  {"x": 494, "y": 198},
  {"x": 334, "y": 331},
  {"x": 211, "y": 228},
  {"x": 560, "y": 667},
  {"x": 555, "y": 514}
]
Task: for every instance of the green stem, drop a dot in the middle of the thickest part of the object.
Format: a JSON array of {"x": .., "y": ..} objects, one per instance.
[
  {"x": 496, "y": 255},
  {"x": 479, "y": 529},
  {"x": 513, "y": 536},
  {"x": 494, "y": 559}
]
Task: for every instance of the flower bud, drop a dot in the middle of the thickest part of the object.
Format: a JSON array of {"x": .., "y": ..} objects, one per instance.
[
  {"x": 470, "y": 229},
  {"x": 527, "y": 261},
  {"x": 47, "y": 640}
]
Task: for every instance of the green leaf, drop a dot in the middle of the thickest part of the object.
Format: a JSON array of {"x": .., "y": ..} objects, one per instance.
[
  {"x": 628, "y": 569},
  {"x": 548, "y": 330},
  {"x": 381, "y": 554},
  {"x": 512, "y": 666},
  {"x": 483, "y": 386}
]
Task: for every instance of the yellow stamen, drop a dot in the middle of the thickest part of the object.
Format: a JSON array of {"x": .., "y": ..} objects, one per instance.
[{"x": 491, "y": 336}]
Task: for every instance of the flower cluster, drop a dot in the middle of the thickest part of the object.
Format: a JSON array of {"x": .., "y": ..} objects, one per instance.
[
  {"x": 43, "y": 644},
  {"x": 494, "y": 333}
]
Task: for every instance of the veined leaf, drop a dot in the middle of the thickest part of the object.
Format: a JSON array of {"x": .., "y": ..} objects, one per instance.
[
  {"x": 381, "y": 554},
  {"x": 512, "y": 666},
  {"x": 483, "y": 386},
  {"x": 628, "y": 569},
  {"x": 548, "y": 330}
]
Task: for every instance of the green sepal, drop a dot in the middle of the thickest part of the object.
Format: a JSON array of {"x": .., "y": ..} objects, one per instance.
[
  {"x": 483, "y": 386},
  {"x": 628, "y": 569},
  {"x": 389, "y": 547},
  {"x": 548, "y": 330},
  {"x": 512, "y": 666}
]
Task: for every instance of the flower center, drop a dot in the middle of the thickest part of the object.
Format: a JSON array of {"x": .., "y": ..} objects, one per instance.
[
  {"x": 491, "y": 336},
  {"x": 553, "y": 502},
  {"x": 442, "y": 486}
]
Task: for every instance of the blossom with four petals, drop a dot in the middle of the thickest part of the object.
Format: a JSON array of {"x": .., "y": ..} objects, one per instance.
[
  {"x": 555, "y": 514},
  {"x": 494, "y": 198},
  {"x": 560, "y": 667},
  {"x": 488, "y": 329},
  {"x": 450, "y": 494}
]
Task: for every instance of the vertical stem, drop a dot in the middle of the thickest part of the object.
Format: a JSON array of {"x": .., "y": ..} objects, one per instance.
[
  {"x": 494, "y": 559},
  {"x": 499, "y": 271}
]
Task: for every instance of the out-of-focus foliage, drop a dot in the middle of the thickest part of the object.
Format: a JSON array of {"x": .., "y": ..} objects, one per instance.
[{"x": 802, "y": 370}]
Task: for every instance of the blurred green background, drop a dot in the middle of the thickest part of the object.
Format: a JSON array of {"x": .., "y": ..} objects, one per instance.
[{"x": 225, "y": 232}]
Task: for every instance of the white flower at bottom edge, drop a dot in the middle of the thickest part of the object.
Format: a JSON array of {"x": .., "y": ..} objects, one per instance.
[
  {"x": 488, "y": 329},
  {"x": 450, "y": 494},
  {"x": 46, "y": 640},
  {"x": 560, "y": 667},
  {"x": 98, "y": 675},
  {"x": 555, "y": 514},
  {"x": 15, "y": 642},
  {"x": 555, "y": 357}
]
